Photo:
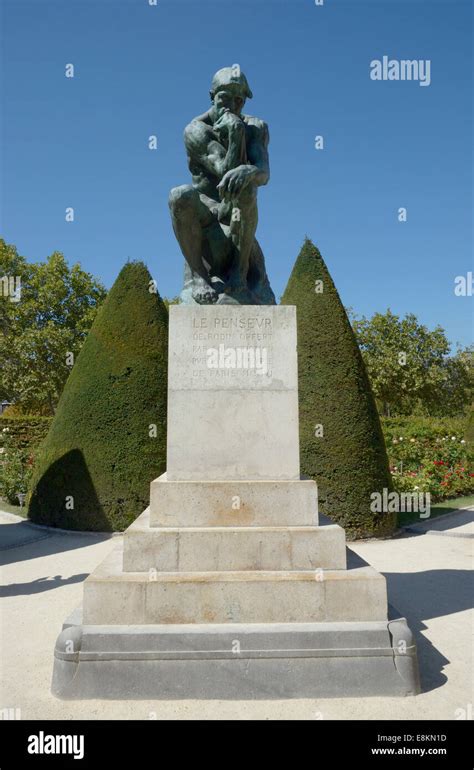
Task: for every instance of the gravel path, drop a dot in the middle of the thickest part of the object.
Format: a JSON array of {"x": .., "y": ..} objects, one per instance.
[{"x": 429, "y": 581}]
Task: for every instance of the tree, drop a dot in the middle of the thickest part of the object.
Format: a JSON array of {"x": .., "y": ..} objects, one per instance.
[
  {"x": 107, "y": 440},
  {"x": 409, "y": 367},
  {"x": 341, "y": 441},
  {"x": 172, "y": 301},
  {"x": 43, "y": 326},
  {"x": 457, "y": 386}
]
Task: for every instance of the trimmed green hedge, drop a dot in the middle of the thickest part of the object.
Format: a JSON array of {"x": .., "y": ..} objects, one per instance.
[
  {"x": 349, "y": 462},
  {"x": 108, "y": 437},
  {"x": 429, "y": 427}
]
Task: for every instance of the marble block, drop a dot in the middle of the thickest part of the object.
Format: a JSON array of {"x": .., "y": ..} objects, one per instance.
[{"x": 232, "y": 393}]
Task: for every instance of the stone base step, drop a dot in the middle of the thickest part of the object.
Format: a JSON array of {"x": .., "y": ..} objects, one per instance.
[
  {"x": 233, "y": 503},
  {"x": 112, "y": 596},
  {"x": 235, "y": 661},
  {"x": 208, "y": 549}
]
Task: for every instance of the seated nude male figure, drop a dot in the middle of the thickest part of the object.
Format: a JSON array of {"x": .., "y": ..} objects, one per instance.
[{"x": 215, "y": 218}]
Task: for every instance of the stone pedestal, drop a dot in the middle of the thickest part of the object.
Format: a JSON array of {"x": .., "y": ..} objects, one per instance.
[
  {"x": 232, "y": 394},
  {"x": 228, "y": 586}
]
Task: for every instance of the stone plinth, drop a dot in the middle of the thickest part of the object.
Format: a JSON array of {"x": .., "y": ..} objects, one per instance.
[
  {"x": 235, "y": 661},
  {"x": 244, "y": 596},
  {"x": 233, "y": 503},
  {"x": 228, "y": 586},
  {"x": 232, "y": 393},
  {"x": 219, "y": 548}
]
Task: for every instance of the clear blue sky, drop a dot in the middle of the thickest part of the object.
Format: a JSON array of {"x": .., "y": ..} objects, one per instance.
[{"x": 142, "y": 70}]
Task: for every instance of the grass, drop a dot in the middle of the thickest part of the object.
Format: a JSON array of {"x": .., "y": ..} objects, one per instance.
[
  {"x": 439, "y": 509},
  {"x": 452, "y": 505},
  {"x": 9, "y": 508}
]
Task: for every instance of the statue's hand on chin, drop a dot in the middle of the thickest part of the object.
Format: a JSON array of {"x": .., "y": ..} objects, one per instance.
[{"x": 226, "y": 123}]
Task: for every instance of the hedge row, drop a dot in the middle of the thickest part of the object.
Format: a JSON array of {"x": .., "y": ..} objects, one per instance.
[
  {"x": 23, "y": 432},
  {"x": 20, "y": 440}
]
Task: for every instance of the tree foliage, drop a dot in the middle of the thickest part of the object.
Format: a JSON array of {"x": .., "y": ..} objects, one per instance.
[
  {"x": 43, "y": 326},
  {"x": 409, "y": 366}
]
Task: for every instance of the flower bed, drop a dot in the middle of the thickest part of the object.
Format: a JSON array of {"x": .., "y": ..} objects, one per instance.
[
  {"x": 430, "y": 455},
  {"x": 19, "y": 438}
]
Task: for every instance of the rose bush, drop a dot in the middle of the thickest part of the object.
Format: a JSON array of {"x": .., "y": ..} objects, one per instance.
[{"x": 430, "y": 455}]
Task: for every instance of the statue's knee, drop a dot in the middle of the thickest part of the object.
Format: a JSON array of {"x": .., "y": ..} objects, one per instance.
[
  {"x": 182, "y": 198},
  {"x": 247, "y": 197}
]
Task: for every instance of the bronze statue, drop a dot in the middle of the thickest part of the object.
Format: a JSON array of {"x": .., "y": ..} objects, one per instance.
[{"x": 215, "y": 218}]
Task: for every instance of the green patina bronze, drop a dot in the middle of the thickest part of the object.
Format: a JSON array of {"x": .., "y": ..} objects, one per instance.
[{"x": 215, "y": 217}]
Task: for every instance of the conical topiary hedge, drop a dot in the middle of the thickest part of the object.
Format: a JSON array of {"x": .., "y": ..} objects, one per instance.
[
  {"x": 107, "y": 440},
  {"x": 349, "y": 460}
]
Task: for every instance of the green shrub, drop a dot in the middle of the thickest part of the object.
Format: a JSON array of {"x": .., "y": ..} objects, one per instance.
[
  {"x": 108, "y": 437},
  {"x": 20, "y": 438},
  {"x": 25, "y": 430},
  {"x": 349, "y": 462},
  {"x": 15, "y": 472}
]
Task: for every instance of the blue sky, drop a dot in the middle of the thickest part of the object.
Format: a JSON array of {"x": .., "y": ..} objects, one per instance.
[{"x": 142, "y": 70}]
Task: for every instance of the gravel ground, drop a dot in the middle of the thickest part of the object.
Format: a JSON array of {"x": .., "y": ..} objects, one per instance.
[{"x": 429, "y": 581}]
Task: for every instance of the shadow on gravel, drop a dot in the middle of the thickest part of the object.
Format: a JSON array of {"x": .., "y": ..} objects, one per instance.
[
  {"x": 20, "y": 541},
  {"x": 40, "y": 584},
  {"x": 420, "y": 596}
]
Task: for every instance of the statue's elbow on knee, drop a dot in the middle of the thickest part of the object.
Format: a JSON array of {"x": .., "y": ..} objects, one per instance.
[{"x": 181, "y": 197}]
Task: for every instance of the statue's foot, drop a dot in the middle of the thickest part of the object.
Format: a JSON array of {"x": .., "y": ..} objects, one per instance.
[
  {"x": 239, "y": 294},
  {"x": 202, "y": 292},
  {"x": 236, "y": 283},
  {"x": 217, "y": 284},
  {"x": 263, "y": 294}
]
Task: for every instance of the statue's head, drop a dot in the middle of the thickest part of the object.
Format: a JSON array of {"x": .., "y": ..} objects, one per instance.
[{"x": 229, "y": 90}]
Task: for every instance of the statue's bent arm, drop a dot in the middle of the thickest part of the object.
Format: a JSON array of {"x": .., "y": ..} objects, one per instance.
[
  {"x": 258, "y": 138},
  {"x": 202, "y": 146}
]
